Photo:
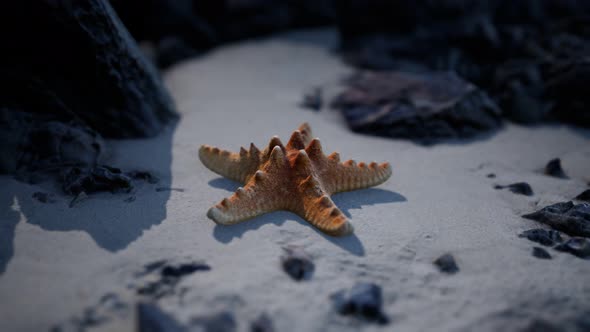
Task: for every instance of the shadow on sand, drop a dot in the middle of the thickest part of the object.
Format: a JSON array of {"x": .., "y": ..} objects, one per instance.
[
  {"x": 113, "y": 221},
  {"x": 345, "y": 201}
]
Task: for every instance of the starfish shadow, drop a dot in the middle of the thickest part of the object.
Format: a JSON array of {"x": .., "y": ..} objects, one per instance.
[{"x": 345, "y": 201}]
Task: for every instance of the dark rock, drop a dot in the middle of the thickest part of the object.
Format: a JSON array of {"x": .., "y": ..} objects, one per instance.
[
  {"x": 297, "y": 263},
  {"x": 184, "y": 28},
  {"x": 90, "y": 180},
  {"x": 584, "y": 196},
  {"x": 553, "y": 168},
  {"x": 577, "y": 246},
  {"x": 542, "y": 236},
  {"x": 44, "y": 197},
  {"x": 363, "y": 300},
  {"x": 491, "y": 176},
  {"x": 446, "y": 263},
  {"x": 72, "y": 74},
  {"x": 541, "y": 253},
  {"x": 313, "y": 99},
  {"x": 150, "y": 318},
  {"x": 179, "y": 271},
  {"x": 220, "y": 322},
  {"x": 423, "y": 107},
  {"x": 521, "y": 188},
  {"x": 528, "y": 56},
  {"x": 567, "y": 217},
  {"x": 169, "y": 276},
  {"x": 262, "y": 324}
]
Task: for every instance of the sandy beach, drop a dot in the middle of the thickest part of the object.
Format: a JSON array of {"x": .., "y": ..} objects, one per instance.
[{"x": 57, "y": 262}]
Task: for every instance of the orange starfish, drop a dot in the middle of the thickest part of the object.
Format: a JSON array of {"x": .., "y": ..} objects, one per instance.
[{"x": 297, "y": 177}]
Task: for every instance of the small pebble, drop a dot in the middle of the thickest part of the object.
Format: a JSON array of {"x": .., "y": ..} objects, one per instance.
[
  {"x": 297, "y": 263},
  {"x": 541, "y": 253},
  {"x": 78, "y": 199},
  {"x": 572, "y": 219},
  {"x": 521, "y": 188},
  {"x": 553, "y": 168},
  {"x": 491, "y": 175},
  {"x": 363, "y": 300},
  {"x": 446, "y": 263},
  {"x": 313, "y": 99},
  {"x": 160, "y": 189}
]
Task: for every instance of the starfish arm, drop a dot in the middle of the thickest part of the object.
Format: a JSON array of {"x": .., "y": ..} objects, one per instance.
[
  {"x": 305, "y": 131},
  {"x": 264, "y": 192},
  {"x": 235, "y": 166},
  {"x": 319, "y": 210},
  {"x": 349, "y": 176}
]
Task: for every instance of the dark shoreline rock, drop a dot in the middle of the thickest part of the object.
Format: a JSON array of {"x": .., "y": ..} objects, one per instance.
[
  {"x": 584, "y": 196},
  {"x": 542, "y": 236},
  {"x": 567, "y": 217},
  {"x": 424, "y": 107},
  {"x": 576, "y": 246}
]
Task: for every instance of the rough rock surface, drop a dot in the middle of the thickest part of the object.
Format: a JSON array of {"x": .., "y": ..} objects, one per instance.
[
  {"x": 576, "y": 246},
  {"x": 584, "y": 196},
  {"x": 542, "y": 236},
  {"x": 567, "y": 217},
  {"x": 530, "y": 56},
  {"x": 424, "y": 107},
  {"x": 71, "y": 75}
]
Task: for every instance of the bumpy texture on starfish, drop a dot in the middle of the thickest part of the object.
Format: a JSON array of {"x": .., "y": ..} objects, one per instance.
[{"x": 297, "y": 178}]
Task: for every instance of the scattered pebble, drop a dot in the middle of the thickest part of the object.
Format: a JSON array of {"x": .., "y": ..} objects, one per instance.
[
  {"x": 584, "y": 196},
  {"x": 313, "y": 99},
  {"x": 541, "y": 253},
  {"x": 567, "y": 217},
  {"x": 363, "y": 300},
  {"x": 220, "y": 322},
  {"x": 542, "y": 236},
  {"x": 262, "y": 324},
  {"x": 576, "y": 246},
  {"x": 553, "y": 168},
  {"x": 44, "y": 197},
  {"x": 151, "y": 318},
  {"x": 521, "y": 188},
  {"x": 297, "y": 263},
  {"x": 491, "y": 175},
  {"x": 446, "y": 263}
]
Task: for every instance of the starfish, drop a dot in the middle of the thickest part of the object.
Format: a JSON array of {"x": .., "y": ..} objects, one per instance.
[{"x": 297, "y": 177}]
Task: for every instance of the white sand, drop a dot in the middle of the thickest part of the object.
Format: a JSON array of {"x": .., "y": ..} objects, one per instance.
[{"x": 438, "y": 200}]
